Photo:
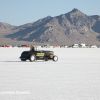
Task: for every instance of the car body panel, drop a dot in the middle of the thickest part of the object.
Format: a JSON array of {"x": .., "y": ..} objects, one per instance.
[{"x": 40, "y": 55}]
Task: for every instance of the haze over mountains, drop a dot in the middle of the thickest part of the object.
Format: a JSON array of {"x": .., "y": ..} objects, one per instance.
[{"x": 72, "y": 27}]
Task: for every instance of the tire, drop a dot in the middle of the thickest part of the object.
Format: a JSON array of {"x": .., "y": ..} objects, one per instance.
[
  {"x": 23, "y": 59},
  {"x": 55, "y": 58},
  {"x": 46, "y": 59},
  {"x": 32, "y": 58}
]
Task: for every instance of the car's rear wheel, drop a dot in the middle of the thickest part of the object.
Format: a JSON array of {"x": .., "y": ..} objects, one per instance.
[
  {"x": 32, "y": 58},
  {"x": 55, "y": 58}
]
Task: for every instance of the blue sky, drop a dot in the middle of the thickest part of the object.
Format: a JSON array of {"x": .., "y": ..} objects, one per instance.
[{"x": 19, "y": 12}]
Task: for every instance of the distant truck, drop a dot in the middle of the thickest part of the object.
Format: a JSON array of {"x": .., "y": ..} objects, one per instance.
[{"x": 38, "y": 55}]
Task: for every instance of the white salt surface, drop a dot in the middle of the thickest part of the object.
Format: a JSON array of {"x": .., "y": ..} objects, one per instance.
[{"x": 75, "y": 76}]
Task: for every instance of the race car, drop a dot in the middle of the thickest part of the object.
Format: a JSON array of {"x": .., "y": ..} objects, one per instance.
[{"x": 38, "y": 55}]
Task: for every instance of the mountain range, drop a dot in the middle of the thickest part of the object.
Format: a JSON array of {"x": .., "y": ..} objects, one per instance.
[{"x": 69, "y": 28}]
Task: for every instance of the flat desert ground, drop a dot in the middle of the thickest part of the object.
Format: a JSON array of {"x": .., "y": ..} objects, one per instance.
[{"x": 75, "y": 76}]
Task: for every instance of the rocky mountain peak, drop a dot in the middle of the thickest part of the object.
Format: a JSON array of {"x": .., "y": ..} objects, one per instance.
[
  {"x": 75, "y": 13},
  {"x": 74, "y": 10},
  {"x": 96, "y": 17},
  {"x": 5, "y": 25}
]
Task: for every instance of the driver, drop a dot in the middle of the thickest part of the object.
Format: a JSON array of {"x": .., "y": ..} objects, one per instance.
[{"x": 32, "y": 48}]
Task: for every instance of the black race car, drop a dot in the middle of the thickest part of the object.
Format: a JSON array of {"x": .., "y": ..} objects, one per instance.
[{"x": 38, "y": 55}]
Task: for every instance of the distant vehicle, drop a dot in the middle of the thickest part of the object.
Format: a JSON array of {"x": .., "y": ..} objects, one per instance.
[
  {"x": 6, "y": 46},
  {"x": 38, "y": 55},
  {"x": 25, "y": 46}
]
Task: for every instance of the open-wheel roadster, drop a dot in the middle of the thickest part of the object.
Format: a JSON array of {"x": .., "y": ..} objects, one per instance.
[{"x": 38, "y": 55}]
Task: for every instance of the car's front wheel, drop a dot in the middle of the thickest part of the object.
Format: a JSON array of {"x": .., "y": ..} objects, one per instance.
[
  {"x": 32, "y": 58},
  {"x": 55, "y": 58}
]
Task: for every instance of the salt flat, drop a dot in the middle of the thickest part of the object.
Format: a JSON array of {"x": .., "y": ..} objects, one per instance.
[{"x": 75, "y": 76}]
